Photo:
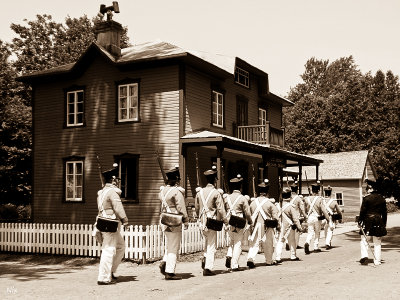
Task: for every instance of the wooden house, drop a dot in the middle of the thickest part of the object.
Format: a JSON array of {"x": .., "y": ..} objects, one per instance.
[
  {"x": 345, "y": 172},
  {"x": 124, "y": 105}
]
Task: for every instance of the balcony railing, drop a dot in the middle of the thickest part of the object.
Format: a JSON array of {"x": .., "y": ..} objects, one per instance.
[{"x": 262, "y": 134}]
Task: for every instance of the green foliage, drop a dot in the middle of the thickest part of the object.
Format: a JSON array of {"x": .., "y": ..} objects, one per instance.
[{"x": 337, "y": 108}]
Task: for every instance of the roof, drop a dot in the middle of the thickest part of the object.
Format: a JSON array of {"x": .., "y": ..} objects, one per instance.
[
  {"x": 338, "y": 166},
  {"x": 157, "y": 51},
  {"x": 208, "y": 137}
]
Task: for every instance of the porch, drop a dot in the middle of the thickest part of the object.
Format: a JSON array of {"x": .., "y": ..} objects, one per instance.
[{"x": 262, "y": 134}]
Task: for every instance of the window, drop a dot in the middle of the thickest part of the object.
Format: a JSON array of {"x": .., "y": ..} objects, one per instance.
[
  {"x": 242, "y": 77},
  {"x": 262, "y": 116},
  {"x": 128, "y": 102},
  {"x": 217, "y": 109},
  {"x": 339, "y": 198},
  {"x": 75, "y": 108},
  {"x": 128, "y": 172},
  {"x": 73, "y": 180}
]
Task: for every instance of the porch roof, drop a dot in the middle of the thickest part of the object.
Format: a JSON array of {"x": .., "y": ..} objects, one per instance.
[{"x": 207, "y": 138}]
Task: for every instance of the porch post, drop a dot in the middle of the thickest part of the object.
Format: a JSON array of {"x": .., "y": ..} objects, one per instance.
[
  {"x": 182, "y": 166},
  {"x": 316, "y": 172},
  {"x": 220, "y": 150}
]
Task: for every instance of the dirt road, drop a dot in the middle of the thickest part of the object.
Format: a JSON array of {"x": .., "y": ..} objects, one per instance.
[{"x": 333, "y": 274}]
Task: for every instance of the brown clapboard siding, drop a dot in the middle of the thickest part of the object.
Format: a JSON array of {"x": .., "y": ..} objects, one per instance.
[{"x": 158, "y": 129}]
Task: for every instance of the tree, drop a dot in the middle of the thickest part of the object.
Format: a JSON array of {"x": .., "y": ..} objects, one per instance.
[
  {"x": 38, "y": 45},
  {"x": 337, "y": 108}
]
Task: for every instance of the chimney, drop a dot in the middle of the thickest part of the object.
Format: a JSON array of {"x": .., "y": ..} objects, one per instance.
[{"x": 108, "y": 35}]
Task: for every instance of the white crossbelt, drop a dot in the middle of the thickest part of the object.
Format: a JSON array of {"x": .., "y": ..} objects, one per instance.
[
  {"x": 232, "y": 205},
  {"x": 327, "y": 206},
  {"x": 255, "y": 215},
  {"x": 205, "y": 201},
  {"x": 312, "y": 209},
  {"x": 164, "y": 200},
  {"x": 284, "y": 215}
]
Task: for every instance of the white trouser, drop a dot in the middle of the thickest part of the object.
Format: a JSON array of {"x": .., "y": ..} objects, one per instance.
[
  {"x": 329, "y": 232},
  {"x": 287, "y": 233},
  {"x": 235, "y": 247},
  {"x": 314, "y": 230},
  {"x": 377, "y": 241},
  {"x": 268, "y": 245},
  {"x": 173, "y": 244},
  {"x": 112, "y": 252},
  {"x": 210, "y": 237}
]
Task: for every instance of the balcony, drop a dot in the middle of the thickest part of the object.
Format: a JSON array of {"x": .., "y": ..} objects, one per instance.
[{"x": 262, "y": 134}]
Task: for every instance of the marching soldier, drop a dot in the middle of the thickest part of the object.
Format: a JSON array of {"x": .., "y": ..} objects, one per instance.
[
  {"x": 265, "y": 219},
  {"x": 290, "y": 222},
  {"x": 316, "y": 211},
  {"x": 372, "y": 222},
  {"x": 173, "y": 201},
  {"x": 298, "y": 203},
  {"x": 113, "y": 246},
  {"x": 335, "y": 214},
  {"x": 237, "y": 205},
  {"x": 210, "y": 205}
]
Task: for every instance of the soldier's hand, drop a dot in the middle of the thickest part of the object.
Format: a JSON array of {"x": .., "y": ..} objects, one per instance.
[{"x": 185, "y": 226}]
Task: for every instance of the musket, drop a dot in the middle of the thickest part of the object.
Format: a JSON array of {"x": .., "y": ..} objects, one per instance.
[
  {"x": 254, "y": 182},
  {"x": 197, "y": 170},
  {"x": 308, "y": 187},
  {"x": 100, "y": 171},
  {"x": 161, "y": 167}
]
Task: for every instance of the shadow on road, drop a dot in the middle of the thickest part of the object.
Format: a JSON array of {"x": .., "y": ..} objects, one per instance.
[
  {"x": 20, "y": 272},
  {"x": 390, "y": 242},
  {"x": 126, "y": 278}
]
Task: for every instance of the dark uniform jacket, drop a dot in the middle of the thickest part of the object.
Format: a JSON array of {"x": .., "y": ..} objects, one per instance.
[{"x": 373, "y": 215}]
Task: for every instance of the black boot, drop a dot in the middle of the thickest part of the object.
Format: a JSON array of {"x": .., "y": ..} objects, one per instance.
[
  {"x": 203, "y": 263},
  {"x": 162, "y": 267},
  {"x": 228, "y": 262},
  {"x": 306, "y": 248},
  {"x": 251, "y": 264},
  {"x": 208, "y": 272},
  {"x": 172, "y": 276}
]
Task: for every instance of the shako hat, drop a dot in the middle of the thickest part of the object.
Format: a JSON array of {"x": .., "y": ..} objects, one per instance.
[
  {"x": 294, "y": 187},
  {"x": 286, "y": 193},
  {"x": 237, "y": 179},
  {"x": 211, "y": 172},
  {"x": 173, "y": 174},
  {"x": 315, "y": 187},
  {"x": 113, "y": 172},
  {"x": 264, "y": 184},
  {"x": 328, "y": 191}
]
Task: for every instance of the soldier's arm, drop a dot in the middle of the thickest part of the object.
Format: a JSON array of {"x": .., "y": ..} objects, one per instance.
[
  {"x": 246, "y": 210},
  {"x": 384, "y": 212},
  {"x": 295, "y": 218},
  {"x": 118, "y": 208},
  {"x": 323, "y": 209},
  {"x": 302, "y": 208},
  {"x": 362, "y": 210},
  {"x": 219, "y": 203},
  {"x": 197, "y": 205},
  {"x": 181, "y": 206}
]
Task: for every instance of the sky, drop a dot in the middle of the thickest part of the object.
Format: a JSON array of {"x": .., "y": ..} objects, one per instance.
[{"x": 277, "y": 37}]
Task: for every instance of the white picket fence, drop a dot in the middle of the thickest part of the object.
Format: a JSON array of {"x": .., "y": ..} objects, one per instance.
[{"x": 141, "y": 242}]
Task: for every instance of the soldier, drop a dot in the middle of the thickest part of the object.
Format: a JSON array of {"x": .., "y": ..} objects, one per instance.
[
  {"x": 173, "y": 201},
  {"x": 209, "y": 204},
  {"x": 372, "y": 221},
  {"x": 113, "y": 246},
  {"x": 316, "y": 211},
  {"x": 335, "y": 214},
  {"x": 290, "y": 222},
  {"x": 265, "y": 220},
  {"x": 236, "y": 205},
  {"x": 298, "y": 203}
]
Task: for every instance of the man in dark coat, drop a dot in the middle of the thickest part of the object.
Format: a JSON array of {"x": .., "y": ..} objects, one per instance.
[{"x": 372, "y": 219}]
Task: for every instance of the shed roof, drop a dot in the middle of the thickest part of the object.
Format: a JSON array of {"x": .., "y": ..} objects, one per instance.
[{"x": 338, "y": 166}]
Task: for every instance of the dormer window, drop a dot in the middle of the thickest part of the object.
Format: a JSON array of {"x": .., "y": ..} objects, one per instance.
[{"x": 242, "y": 77}]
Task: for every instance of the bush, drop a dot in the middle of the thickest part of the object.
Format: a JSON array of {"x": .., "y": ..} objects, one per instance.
[
  {"x": 14, "y": 213},
  {"x": 392, "y": 205}
]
